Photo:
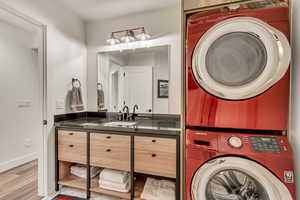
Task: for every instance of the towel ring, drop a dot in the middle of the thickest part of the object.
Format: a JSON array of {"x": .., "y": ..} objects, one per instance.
[{"x": 74, "y": 80}]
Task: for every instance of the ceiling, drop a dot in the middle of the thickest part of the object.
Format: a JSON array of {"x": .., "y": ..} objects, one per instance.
[{"x": 95, "y": 10}]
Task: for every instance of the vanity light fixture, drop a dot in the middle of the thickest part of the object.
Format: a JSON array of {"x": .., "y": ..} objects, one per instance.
[{"x": 127, "y": 36}]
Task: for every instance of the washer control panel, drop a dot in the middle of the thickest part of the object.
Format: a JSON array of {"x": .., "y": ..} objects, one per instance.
[{"x": 265, "y": 144}]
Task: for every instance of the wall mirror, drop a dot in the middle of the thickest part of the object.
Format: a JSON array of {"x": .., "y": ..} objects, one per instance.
[{"x": 139, "y": 76}]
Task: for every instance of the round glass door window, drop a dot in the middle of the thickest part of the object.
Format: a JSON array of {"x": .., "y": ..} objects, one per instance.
[
  {"x": 236, "y": 59},
  {"x": 235, "y": 178},
  {"x": 234, "y": 185},
  {"x": 240, "y": 58}
]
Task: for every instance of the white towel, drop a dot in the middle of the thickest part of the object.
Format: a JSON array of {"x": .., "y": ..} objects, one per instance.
[
  {"x": 112, "y": 175},
  {"x": 80, "y": 171},
  {"x": 72, "y": 192},
  {"x": 158, "y": 189},
  {"x": 150, "y": 189},
  {"x": 166, "y": 190},
  {"x": 119, "y": 187}
]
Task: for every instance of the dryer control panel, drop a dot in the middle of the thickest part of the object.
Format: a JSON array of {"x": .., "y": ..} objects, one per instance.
[{"x": 265, "y": 144}]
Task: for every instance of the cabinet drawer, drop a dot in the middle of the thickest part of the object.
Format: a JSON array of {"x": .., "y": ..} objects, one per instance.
[
  {"x": 72, "y": 146},
  {"x": 110, "y": 151},
  {"x": 156, "y": 156}
]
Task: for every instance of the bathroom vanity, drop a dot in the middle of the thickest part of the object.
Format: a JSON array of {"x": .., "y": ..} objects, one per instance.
[{"x": 147, "y": 147}]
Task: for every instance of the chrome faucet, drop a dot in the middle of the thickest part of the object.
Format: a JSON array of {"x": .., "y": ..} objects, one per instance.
[
  {"x": 126, "y": 114},
  {"x": 134, "y": 115}
]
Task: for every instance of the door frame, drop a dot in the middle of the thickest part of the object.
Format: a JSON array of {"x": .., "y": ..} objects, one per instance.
[
  {"x": 110, "y": 63},
  {"x": 43, "y": 151}
]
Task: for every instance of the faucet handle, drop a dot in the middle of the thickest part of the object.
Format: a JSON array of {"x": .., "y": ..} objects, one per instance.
[{"x": 120, "y": 116}]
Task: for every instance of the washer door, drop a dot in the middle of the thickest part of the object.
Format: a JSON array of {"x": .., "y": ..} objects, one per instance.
[
  {"x": 233, "y": 178},
  {"x": 240, "y": 58}
]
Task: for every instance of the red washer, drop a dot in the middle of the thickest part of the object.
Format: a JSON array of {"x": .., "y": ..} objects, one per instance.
[
  {"x": 237, "y": 66},
  {"x": 238, "y": 166}
]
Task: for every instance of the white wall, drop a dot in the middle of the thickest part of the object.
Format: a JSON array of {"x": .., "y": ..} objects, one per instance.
[
  {"x": 19, "y": 84},
  {"x": 162, "y": 24},
  {"x": 67, "y": 58},
  {"x": 295, "y": 106}
]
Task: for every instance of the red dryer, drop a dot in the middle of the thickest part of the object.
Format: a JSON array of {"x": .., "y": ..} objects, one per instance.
[
  {"x": 237, "y": 67},
  {"x": 234, "y": 166}
]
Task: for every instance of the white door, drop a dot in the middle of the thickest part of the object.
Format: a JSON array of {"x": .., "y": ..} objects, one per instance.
[
  {"x": 234, "y": 178},
  {"x": 114, "y": 78},
  {"x": 138, "y": 88},
  {"x": 240, "y": 58}
]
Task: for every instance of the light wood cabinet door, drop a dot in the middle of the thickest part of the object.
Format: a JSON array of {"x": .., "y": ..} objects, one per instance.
[
  {"x": 72, "y": 146},
  {"x": 196, "y": 4},
  {"x": 110, "y": 151},
  {"x": 156, "y": 156}
]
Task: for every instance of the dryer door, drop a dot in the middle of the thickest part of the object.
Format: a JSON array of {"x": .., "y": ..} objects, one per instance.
[
  {"x": 233, "y": 178},
  {"x": 240, "y": 58}
]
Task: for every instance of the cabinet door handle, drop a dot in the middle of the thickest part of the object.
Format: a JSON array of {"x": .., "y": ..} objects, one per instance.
[
  {"x": 153, "y": 141},
  {"x": 108, "y": 137},
  {"x": 71, "y": 145},
  {"x": 108, "y": 150},
  {"x": 153, "y": 155}
]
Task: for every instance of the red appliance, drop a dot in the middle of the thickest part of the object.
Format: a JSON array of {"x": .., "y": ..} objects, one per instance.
[
  {"x": 238, "y": 166},
  {"x": 235, "y": 85}
]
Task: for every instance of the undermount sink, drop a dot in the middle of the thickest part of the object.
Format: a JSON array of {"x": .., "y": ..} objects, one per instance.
[
  {"x": 120, "y": 123},
  {"x": 89, "y": 124}
]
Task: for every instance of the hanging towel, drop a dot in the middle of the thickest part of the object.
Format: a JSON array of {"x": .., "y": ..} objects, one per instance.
[
  {"x": 100, "y": 98},
  {"x": 76, "y": 99},
  {"x": 112, "y": 175}
]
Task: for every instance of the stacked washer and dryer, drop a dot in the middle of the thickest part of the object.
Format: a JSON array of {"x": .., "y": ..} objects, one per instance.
[{"x": 237, "y": 104}]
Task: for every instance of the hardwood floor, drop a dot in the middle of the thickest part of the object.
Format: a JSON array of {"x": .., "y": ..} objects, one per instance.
[{"x": 20, "y": 183}]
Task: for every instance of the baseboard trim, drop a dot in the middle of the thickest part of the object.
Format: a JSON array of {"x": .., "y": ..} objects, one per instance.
[{"x": 17, "y": 162}]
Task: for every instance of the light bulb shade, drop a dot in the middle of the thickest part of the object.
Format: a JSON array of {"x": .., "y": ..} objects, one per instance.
[
  {"x": 143, "y": 36},
  {"x": 112, "y": 40},
  {"x": 129, "y": 37}
]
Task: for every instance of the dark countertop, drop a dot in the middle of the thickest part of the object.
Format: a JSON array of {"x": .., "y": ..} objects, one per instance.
[{"x": 154, "y": 124}]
